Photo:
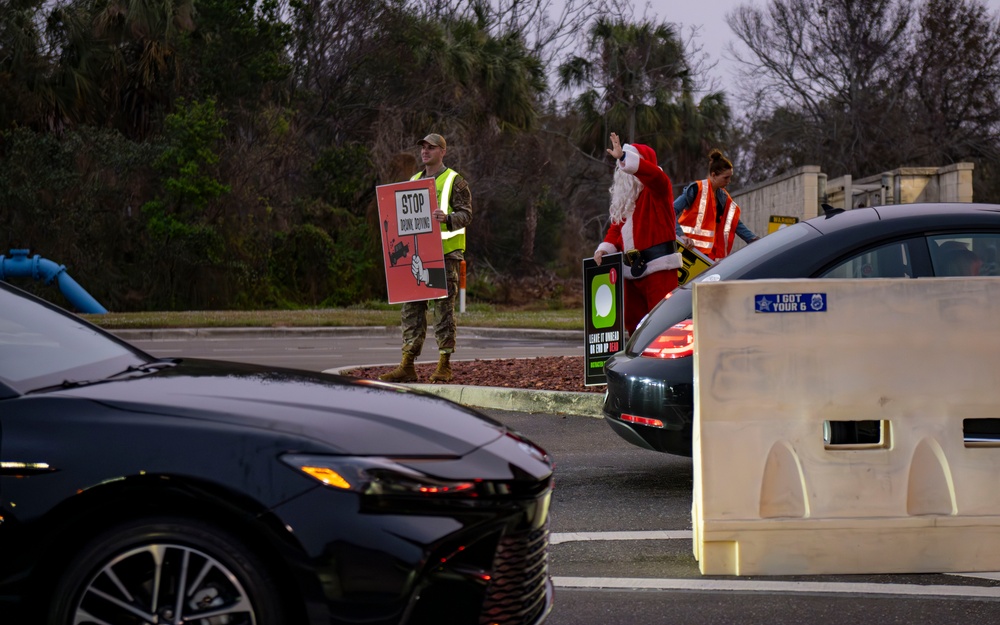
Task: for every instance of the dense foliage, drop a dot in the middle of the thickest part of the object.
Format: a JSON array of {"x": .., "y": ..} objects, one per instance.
[{"x": 223, "y": 154}]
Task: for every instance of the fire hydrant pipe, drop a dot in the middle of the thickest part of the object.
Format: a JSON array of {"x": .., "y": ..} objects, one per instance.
[{"x": 18, "y": 265}]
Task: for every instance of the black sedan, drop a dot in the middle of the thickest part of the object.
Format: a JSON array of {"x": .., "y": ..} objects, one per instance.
[
  {"x": 650, "y": 393},
  {"x": 135, "y": 490}
]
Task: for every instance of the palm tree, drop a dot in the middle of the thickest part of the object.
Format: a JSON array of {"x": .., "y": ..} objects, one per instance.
[
  {"x": 689, "y": 131},
  {"x": 23, "y": 63},
  {"x": 630, "y": 72},
  {"x": 136, "y": 41},
  {"x": 637, "y": 79}
]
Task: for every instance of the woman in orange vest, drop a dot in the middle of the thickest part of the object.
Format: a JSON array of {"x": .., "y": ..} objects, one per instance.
[{"x": 707, "y": 217}]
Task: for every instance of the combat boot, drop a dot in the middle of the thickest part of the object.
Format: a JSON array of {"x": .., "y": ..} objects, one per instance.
[
  {"x": 443, "y": 371},
  {"x": 403, "y": 373}
]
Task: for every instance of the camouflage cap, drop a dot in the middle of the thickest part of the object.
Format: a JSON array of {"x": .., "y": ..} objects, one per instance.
[{"x": 434, "y": 139}]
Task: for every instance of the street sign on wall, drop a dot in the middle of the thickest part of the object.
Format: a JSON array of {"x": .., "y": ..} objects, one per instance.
[{"x": 777, "y": 222}]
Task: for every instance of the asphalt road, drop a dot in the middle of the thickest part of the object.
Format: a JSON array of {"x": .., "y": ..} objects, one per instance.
[
  {"x": 321, "y": 349},
  {"x": 621, "y": 516},
  {"x": 622, "y": 551}
]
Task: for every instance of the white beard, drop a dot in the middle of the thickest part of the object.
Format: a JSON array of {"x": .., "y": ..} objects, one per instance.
[{"x": 624, "y": 190}]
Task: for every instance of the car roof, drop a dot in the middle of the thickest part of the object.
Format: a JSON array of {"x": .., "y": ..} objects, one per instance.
[
  {"x": 804, "y": 248},
  {"x": 927, "y": 216}
]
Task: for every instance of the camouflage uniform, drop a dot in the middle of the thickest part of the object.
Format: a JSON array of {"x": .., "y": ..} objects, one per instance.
[
  {"x": 414, "y": 316},
  {"x": 414, "y": 319}
]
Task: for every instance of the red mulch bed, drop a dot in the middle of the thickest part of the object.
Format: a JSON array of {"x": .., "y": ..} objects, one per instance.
[{"x": 546, "y": 373}]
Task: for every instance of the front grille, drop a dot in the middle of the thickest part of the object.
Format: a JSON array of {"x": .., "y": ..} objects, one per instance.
[{"x": 517, "y": 591}]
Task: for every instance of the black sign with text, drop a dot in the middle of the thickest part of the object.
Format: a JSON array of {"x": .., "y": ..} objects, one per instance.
[{"x": 603, "y": 312}]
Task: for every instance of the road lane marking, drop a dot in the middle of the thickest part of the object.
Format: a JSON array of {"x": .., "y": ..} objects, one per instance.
[
  {"x": 567, "y": 537},
  {"x": 717, "y": 585}
]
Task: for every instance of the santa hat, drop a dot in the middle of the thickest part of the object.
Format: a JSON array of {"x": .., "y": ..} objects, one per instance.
[{"x": 645, "y": 152}]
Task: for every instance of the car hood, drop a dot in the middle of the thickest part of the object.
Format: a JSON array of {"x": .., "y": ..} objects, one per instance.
[{"x": 326, "y": 413}]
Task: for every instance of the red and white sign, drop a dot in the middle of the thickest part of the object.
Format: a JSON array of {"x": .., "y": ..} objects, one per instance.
[{"x": 411, "y": 241}]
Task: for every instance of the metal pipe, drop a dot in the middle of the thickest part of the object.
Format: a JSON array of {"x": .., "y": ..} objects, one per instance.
[
  {"x": 461, "y": 287},
  {"x": 18, "y": 265}
]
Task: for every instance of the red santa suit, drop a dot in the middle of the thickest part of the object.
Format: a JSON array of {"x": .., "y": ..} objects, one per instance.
[{"x": 650, "y": 229}]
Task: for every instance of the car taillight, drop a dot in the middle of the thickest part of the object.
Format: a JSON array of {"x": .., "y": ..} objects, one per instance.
[
  {"x": 676, "y": 341},
  {"x": 631, "y": 418}
]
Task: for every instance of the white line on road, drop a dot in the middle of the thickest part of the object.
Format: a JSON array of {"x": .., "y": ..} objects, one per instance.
[
  {"x": 568, "y": 537},
  {"x": 627, "y": 583}
]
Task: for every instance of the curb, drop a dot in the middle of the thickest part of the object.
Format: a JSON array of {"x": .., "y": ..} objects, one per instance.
[
  {"x": 518, "y": 400},
  {"x": 503, "y": 398}
]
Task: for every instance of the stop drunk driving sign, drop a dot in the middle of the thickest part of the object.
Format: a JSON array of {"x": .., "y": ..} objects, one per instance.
[{"x": 411, "y": 241}]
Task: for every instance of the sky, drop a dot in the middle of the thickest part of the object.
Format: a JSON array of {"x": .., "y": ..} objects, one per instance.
[{"x": 710, "y": 17}]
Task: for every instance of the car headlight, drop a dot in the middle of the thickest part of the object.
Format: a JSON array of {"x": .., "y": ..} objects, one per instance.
[{"x": 369, "y": 475}]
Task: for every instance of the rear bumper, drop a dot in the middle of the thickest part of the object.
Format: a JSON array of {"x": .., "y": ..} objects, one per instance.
[{"x": 651, "y": 388}]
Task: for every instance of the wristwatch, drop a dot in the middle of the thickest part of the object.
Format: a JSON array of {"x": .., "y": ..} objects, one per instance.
[{"x": 622, "y": 157}]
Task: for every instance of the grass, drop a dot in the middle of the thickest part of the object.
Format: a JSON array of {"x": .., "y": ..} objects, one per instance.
[{"x": 482, "y": 316}]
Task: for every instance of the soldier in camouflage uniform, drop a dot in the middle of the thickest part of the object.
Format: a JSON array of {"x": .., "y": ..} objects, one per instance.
[{"x": 454, "y": 212}]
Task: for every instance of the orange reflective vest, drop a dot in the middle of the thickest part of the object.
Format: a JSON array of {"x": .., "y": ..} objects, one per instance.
[{"x": 700, "y": 222}]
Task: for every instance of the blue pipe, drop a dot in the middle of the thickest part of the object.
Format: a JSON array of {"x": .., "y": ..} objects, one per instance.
[{"x": 20, "y": 266}]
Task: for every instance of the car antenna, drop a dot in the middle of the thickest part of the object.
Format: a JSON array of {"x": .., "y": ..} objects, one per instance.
[{"x": 830, "y": 211}]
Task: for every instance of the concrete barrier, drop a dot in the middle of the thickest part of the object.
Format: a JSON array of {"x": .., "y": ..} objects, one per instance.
[{"x": 847, "y": 426}]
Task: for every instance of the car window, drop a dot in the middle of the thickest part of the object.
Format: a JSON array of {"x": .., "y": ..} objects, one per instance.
[
  {"x": 965, "y": 255},
  {"x": 745, "y": 259},
  {"x": 892, "y": 260},
  {"x": 40, "y": 347}
]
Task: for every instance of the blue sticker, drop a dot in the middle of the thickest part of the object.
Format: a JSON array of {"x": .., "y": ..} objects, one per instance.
[{"x": 790, "y": 302}]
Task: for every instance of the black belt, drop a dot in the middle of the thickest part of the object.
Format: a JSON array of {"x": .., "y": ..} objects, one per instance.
[{"x": 637, "y": 259}]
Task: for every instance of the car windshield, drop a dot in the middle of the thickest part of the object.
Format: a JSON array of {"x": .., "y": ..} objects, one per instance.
[
  {"x": 42, "y": 347},
  {"x": 739, "y": 262}
]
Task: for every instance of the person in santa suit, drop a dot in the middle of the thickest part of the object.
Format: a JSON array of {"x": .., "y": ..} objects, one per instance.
[{"x": 642, "y": 226}]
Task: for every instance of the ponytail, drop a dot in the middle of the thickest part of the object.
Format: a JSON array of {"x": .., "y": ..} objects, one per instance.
[{"x": 717, "y": 163}]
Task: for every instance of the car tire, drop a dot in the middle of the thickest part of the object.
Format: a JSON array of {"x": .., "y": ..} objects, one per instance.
[{"x": 137, "y": 568}]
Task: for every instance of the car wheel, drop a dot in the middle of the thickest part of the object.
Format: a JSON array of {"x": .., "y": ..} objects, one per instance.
[{"x": 165, "y": 570}]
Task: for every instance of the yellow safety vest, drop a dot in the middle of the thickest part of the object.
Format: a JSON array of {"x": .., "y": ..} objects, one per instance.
[{"x": 451, "y": 240}]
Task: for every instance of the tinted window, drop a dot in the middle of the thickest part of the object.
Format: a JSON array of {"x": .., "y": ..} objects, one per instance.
[
  {"x": 965, "y": 255},
  {"x": 888, "y": 261},
  {"x": 739, "y": 263},
  {"x": 41, "y": 347}
]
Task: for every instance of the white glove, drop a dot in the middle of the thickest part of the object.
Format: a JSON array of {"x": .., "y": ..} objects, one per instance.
[{"x": 418, "y": 271}]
